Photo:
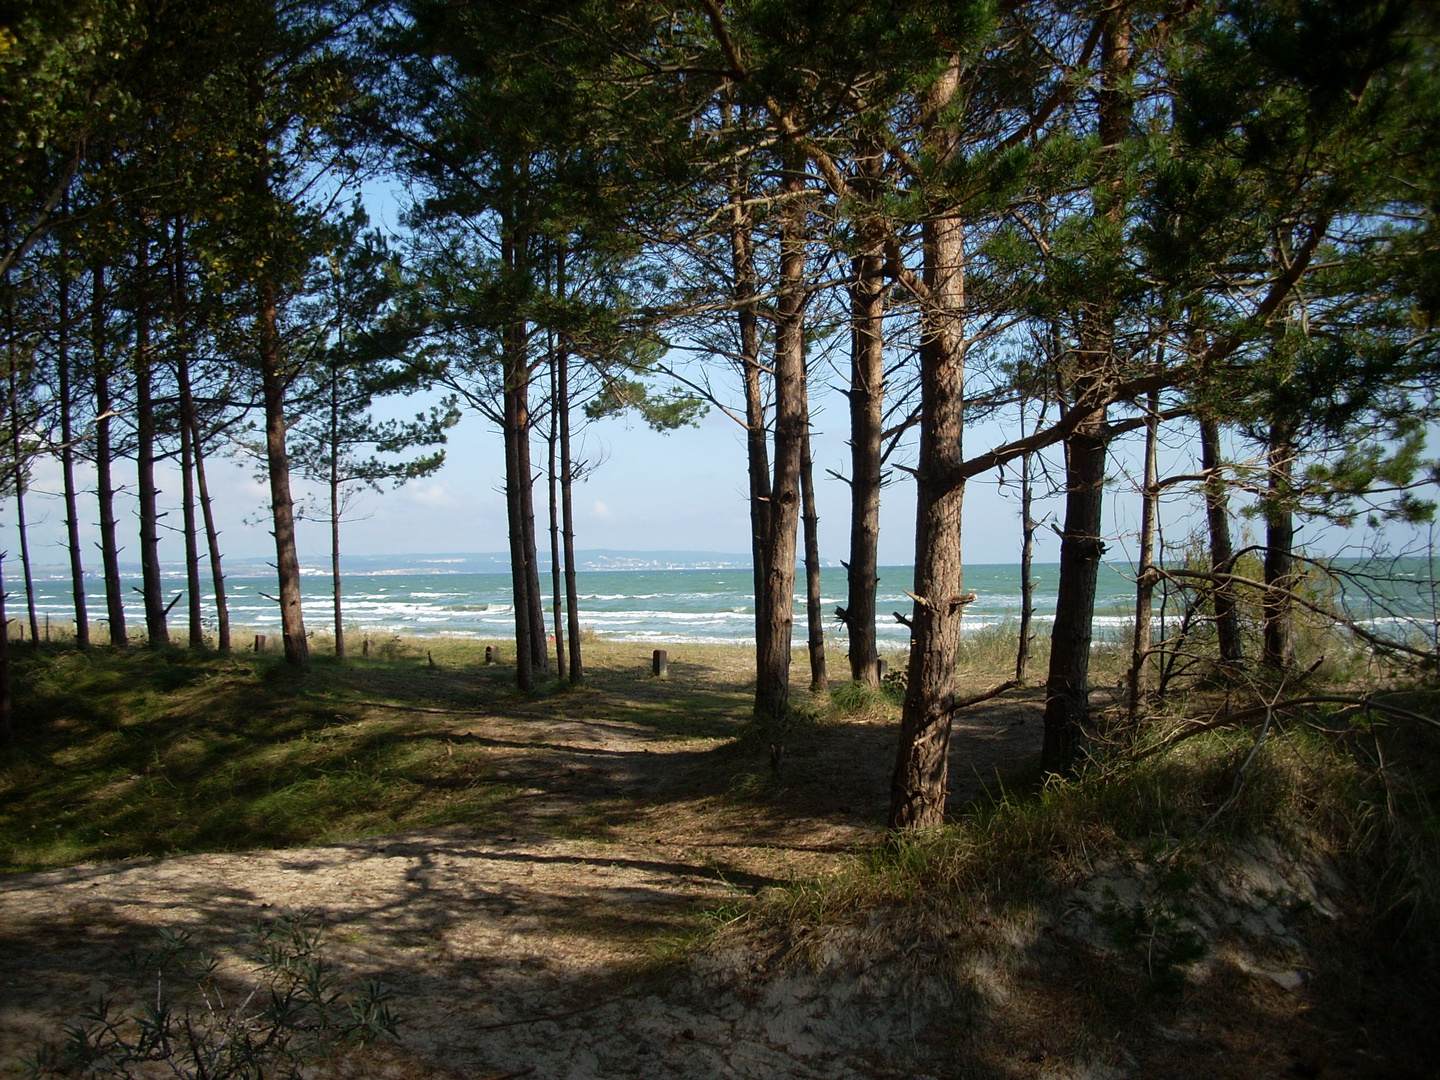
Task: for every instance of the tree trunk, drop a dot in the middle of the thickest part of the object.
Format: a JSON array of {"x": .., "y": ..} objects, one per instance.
[
  {"x": 104, "y": 484},
  {"x": 282, "y": 508},
  {"x": 1222, "y": 551},
  {"x": 776, "y": 614},
  {"x": 918, "y": 784},
  {"x": 867, "y": 403},
  {"x": 814, "y": 613},
  {"x": 7, "y": 730},
  {"x": 1277, "y": 610},
  {"x": 336, "y": 582},
  {"x": 212, "y": 539},
  {"x": 757, "y": 451},
  {"x": 152, "y": 588},
  {"x": 1067, "y": 687},
  {"x": 1027, "y": 561},
  {"x": 67, "y": 457},
  {"x": 187, "y": 442},
  {"x": 1139, "y": 676},
  {"x": 552, "y": 476},
  {"x": 19, "y": 481},
  {"x": 567, "y": 480}
]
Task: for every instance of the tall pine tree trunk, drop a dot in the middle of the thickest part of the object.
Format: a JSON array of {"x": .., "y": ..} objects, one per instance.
[
  {"x": 814, "y": 613},
  {"x": 187, "y": 440},
  {"x": 1027, "y": 563},
  {"x": 67, "y": 454},
  {"x": 757, "y": 450},
  {"x": 1222, "y": 550},
  {"x": 152, "y": 588},
  {"x": 776, "y": 614},
  {"x": 212, "y": 540},
  {"x": 336, "y": 581},
  {"x": 867, "y": 403},
  {"x": 919, "y": 781},
  {"x": 1067, "y": 686},
  {"x": 567, "y": 482},
  {"x": 18, "y": 478},
  {"x": 1277, "y": 609},
  {"x": 277, "y": 459},
  {"x": 552, "y": 476},
  {"x": 7, "y": 730},
  {"x": 104, "y": 457},
  {"x": 1139, "y": 676}
]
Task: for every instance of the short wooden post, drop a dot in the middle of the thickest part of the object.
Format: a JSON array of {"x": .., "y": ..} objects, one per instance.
[
  {"x": 259, "y": 642},
  {"x": 489, "y": 655},
  {"x": 365, "y": 647},
  {"x": 660, "y": 664},
  {"x": 47, "y": 628},
  {"x": 881, "y": 667}
]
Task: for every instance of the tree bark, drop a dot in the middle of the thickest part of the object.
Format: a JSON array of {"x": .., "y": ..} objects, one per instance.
[
  {"x": 567, "y": 481},
  {"x": 814, "y": 613},
  {"x": 104, "y": 484},
  {"x": 1027, "y": 562},
  {"x": 336, "y": 581},
  {"x": 776, "y": 614},
  {"x": 67, "y": 456},
  {"x": 19, "y": 481},
  {"x": 867, "y": 402},
  {"x": 1277, "y": 611},
  {"x": 7, "y": 730},
  {"x": 918, "y": 785},
  {"x": 282, "y": 508},
  {"x": 152, "y": 588},
  {"x": 187, "y": 441},
  {"x": 757, "y": 450},
  {"x": 212, "y": 539},
  {"x": 1067, "y": 687},
  {"x": 1139, "y": 676},
  {"x": 1222, "y": 550},
  {"x": 552, "y": 477}
]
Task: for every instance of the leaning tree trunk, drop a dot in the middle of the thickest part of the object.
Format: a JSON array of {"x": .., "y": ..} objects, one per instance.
[
  {"x": 152, "y": 588},
  {"x": 1222, "y": 550},
  {"x": 282, "y": 508},
  {"x": 212, "y": 540},
  {"x": 1139, "y": 675},
  {"x": 919, "y": 781},
  {"x": 104, "y": 456},
  {"x": 775, "y": 616},
  {"x": 67, "y": 457},
  {"x": 1277, "y": 610},
  {"x": 867, "y": 402},
  {"x": 814, "y": 613}
]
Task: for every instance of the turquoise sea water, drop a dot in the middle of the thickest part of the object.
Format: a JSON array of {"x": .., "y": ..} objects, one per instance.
[{"x": 686, "y": 605}]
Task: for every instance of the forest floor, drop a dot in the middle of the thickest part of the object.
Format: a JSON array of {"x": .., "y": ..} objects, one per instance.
[{"x": 528, "y": 875}]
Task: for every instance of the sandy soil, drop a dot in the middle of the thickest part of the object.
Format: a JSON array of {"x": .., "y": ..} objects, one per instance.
[{"x": 542, "y": 946}]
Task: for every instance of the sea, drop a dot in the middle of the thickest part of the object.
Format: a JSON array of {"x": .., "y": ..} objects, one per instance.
[{"x": 638, "y": 597}]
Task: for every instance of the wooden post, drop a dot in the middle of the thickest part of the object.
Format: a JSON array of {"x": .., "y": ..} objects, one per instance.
[
  {"x": 47, "y": 628},
  {"x": 660, "y": 664},
  {"x": 365, "y": 647},
  {"x": 259, "y": 642},
  {"x": 881, "y": 667},
  {"x": 490, "y": 656}
]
